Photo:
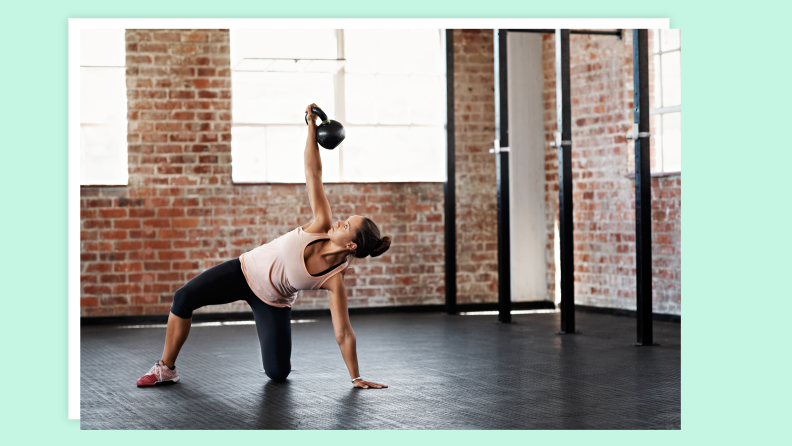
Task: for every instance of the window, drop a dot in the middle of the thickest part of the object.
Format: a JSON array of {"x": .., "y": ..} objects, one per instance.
[
  {"x": 103, "y": 108},
  {"x": 666, "y": 103},
  {"x": 386, "y": 86}
]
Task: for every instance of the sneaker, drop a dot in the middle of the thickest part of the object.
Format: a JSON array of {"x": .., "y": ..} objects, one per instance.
[{"x": 159, "y": 374}]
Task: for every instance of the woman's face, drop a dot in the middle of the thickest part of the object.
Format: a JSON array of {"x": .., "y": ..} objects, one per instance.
[{"x": 343, "y": 231}]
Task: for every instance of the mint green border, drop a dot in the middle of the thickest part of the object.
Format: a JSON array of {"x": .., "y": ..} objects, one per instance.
[{"x": 735, "y": 369}]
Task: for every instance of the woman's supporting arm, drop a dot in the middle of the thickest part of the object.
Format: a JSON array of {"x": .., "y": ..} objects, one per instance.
[
  {"x": 313, "y": 180},
  {"x": 344, "y": 334}
]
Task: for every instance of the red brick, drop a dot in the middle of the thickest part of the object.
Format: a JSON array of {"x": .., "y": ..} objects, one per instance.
[
  {"x": 112, "y": 213},
  {"x": 185, "y": 222},
  {"x": 144, "y": 299},
  {"x": 124, "y": 267},
  {"x": 185, "y": 265},
  {"x": 156, "y": 223},
  {"x": 183, "y": 115},
  {"x": 146, "y": 233},
  {"x": 181, "y": 94},
  {"x": 93, "y": 289},
  {"x": 170, "y": 212},
  {"x": 141, "y": 255},
  {"x": 98, "y": 268},
  {"x": 171, "y": 233},
  {"x": 163, "y": 36},
  {"x": 215, "y": 201},
  {"x": 170, "y": 277},
  {"x": 157, "y": 244},
  {"x": 112, "y": 278},
  {"x": 97, "y": 246},
  {"x": 171, "y": 255},
  {"x": 96, "y": 224},
  {"x": 185, "y": 202},
  {"x": 113, "y": 300},
  {"x": 157, "y": 288},
  {"x": 141, "y": 277},
  {"x": 126, "y": 224},
  {"x": 157, "y": 266},
  {"x": 126, "y": 289},
  {"x": 113, "y": 235}
]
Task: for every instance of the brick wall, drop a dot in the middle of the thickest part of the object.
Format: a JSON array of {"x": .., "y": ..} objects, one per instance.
[
  {"x": 181, "y": 213},
  {"x": 476, "y": 207},
  {"x": 604, "y": 196}
]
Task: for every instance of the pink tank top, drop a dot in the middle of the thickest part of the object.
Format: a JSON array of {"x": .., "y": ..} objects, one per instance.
[{"x": 276, "y": 271}]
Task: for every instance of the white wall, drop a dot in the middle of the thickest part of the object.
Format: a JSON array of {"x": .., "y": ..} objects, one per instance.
[{"x": 526, "y": 167}]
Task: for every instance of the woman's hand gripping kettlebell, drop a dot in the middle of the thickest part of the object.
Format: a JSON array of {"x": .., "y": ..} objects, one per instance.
[{"x": 310, "y": 117}]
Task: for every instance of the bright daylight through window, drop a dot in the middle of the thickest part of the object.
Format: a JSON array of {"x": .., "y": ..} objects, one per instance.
[
  {"x": 666, "y": 103},
  {"x": 386, "y": 86},
  {"x": 103, "y": 108}
]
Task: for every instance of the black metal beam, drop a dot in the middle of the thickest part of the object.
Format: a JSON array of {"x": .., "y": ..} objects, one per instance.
[
  {"x": 501, "y": 87},
  {"x": 643, "y": 191},
  {"x": 504, "y": 253},
  {"x": 564, "y": 146},
  {"x": 502, "y": 175},
  {"x": 449, "y": 187},
  {"x": 617, "y": 33}
]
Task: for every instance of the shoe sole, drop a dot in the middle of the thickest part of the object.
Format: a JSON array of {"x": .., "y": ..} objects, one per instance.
[{"x": 163, "y": 383}]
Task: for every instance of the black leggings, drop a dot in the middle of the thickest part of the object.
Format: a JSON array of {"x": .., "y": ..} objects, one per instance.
[{"x": 225, "y": 283}]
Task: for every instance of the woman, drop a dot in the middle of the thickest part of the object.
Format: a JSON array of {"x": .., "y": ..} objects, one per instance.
[{"x": 315, "y": 256}]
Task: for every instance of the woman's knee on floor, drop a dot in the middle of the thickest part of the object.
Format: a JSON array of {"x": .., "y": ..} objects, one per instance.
[{"x": 278, "y": 373}]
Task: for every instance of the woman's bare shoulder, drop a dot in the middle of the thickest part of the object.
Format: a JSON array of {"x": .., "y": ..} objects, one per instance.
[
  {"x": 335, "y": 283},
  {"x": 317, "y": 227}
]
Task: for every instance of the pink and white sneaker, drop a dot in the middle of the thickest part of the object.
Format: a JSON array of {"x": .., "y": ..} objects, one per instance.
[{"x": 159, "y": 374}]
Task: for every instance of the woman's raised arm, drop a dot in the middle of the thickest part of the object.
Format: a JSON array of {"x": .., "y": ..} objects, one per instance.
[{"x": 313, "y": 180}]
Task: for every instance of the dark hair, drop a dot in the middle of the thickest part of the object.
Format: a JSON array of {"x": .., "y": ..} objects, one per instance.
[{"x": 368, "y": 240}]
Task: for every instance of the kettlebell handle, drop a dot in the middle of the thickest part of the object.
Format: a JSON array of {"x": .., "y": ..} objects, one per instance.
[{"x": 318, "y": 112}]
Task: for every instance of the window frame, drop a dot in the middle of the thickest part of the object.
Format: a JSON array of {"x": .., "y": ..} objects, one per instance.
[
  {"x": 125, "y": 121},
  {"x": 339, "y": 95},
  {"x": 658, "y": 93}
]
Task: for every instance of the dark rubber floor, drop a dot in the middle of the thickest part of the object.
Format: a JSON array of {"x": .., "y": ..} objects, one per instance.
[{"x": 444, "y": 372}]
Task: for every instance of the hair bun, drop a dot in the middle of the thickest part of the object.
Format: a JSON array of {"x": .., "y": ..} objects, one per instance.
[{"x": 384, "y": 245}]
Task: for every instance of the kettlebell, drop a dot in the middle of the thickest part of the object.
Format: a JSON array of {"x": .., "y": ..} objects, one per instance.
[{"x": 329, "y": 133}]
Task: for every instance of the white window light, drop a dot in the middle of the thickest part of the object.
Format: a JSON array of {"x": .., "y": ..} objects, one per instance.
[
  {"x": 666, "y": 104},
  {"x": 103, "y": 107},
  {"x": 385, "y": 86}
]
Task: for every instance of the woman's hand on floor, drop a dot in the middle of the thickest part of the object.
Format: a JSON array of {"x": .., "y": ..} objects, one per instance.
[{"x": 368, "y": 385}]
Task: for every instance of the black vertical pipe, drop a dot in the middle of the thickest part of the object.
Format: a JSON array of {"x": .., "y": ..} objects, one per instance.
[
  {"x": 564, "y": 145},
  {"x": 502, "y": 176},
  {"x": 449, "y": 187},
  {"x": 504, "y": 262},
  {"x": 643, "y": 192},
  {"x": 501, "y": 87}
]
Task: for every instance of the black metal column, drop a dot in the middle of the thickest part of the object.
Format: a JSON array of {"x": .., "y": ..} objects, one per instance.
[
  {"x": 502, "y": 175},
  {"x": 643, "y": 191},
  {"x": 449, "y": 187},
  {"x": 564, "y": 146}
]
